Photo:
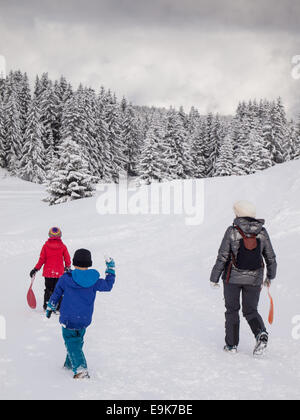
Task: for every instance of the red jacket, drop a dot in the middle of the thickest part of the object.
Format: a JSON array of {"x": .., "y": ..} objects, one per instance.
[{"x": 54, "y": 257}]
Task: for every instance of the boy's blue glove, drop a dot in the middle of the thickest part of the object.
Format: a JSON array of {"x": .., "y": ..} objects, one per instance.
[
  {"x": 110, "y": 266},
  {"x": 50, "y": 308}
]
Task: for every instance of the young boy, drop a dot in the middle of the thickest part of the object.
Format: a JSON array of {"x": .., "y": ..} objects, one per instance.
[
  {"x": 56, "y": 260},
  {"x": 78, "y": 289},
  {"x": 244, "y": 249}
]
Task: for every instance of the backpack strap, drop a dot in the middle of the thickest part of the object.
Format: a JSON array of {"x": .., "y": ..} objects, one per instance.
[{"x": 250, "y": 242}]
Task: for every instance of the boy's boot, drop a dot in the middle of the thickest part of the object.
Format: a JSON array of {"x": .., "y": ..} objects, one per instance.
[{"x": 82, "y": 375}]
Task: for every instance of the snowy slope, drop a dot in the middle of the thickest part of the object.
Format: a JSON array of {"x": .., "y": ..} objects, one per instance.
[{"x": 160, "y": 333}]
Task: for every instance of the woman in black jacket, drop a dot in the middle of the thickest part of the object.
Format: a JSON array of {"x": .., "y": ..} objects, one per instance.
[{"x": 245, "y": 248}]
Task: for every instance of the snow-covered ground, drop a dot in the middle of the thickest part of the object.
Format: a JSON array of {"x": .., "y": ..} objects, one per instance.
[{"x": 159, "y": 334}]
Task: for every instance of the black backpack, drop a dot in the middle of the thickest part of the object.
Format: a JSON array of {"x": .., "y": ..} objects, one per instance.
[{"x": 249, "y": 255}]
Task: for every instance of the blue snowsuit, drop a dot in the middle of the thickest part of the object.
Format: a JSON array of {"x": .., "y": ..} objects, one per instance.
[{"x": 78, "y": 289}]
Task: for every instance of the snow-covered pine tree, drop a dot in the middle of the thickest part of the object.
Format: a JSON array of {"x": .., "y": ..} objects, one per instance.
[
  {"x": 194, "y": 121},
  {"x": 260, "y": 156},
  {"x": 41, "y": 84},
  {"x": 268, "y": 137},
  {"x": 88, "y": 105},
  {"x": 210, "y": 145},
  {"x": 219, "y": 131},
  {"x": 62, "y": 93},
  {"x": 2, "y": 86},
  {"x": 3, "y": 143},
  {"x": 71, "y": 179},
  {"x": 197, "y": 152},
  {"x": 48, "y": 104},
  {"x": 24, "y": 100},
  {"x": 151, "y": 164},
  {"x": 79, "y": 125},
  {"x": 225, "y": 159},
  {"x": 296, "y": 142},
  {"x": 117, "y": 147},
  {"x": 184, "y": 118},
  {"x": 102, "y": 145},
  {"x": 176, "y": 153},
  {"x": 131, "y": 137},
  {"x": 32, "y": 164},
  {"x": 13, "y": 132},
  {"x": 280, "y": 133},
  {"x": 123, "y": 104},
  {"x": 243, "y": 147},
  {"x": 241, "y": 111}
]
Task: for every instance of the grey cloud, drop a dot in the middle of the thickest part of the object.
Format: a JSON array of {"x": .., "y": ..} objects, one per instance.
[
  {"x": 210, "y": 54},
  {"x": 247, "y": 14}
]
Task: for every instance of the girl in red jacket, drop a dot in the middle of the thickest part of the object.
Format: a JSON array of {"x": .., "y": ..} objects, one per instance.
[{"x": 56, "y": 260}]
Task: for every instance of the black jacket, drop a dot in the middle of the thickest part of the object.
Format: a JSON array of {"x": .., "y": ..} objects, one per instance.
[{"x": 230, "y": 245}]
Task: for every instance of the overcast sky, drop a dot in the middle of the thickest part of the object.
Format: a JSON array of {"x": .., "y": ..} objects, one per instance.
[{"x": 206, "y": 53}]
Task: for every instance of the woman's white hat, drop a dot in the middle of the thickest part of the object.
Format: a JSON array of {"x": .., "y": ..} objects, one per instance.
[{"x": 244, "y": 209}]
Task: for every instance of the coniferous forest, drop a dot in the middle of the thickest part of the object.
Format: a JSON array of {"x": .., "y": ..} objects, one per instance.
[{"x": 72, "y": 139}]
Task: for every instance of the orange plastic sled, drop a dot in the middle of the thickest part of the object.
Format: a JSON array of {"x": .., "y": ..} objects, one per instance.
[{"x": 271, "y": 311}]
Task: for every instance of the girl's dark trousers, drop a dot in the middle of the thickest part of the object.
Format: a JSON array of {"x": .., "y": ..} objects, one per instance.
[{"x": 50, "y": 284}]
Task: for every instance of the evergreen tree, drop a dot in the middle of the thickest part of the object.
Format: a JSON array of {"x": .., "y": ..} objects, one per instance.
[
  {"x": 24, "y": 101},
  {"x": 260, "y": 156},
  {"x": 243, "y": 149},
  {"x": 48, "y": 103},
  {"x": 268, "y": 138},
  {"x": 32, "y": 163},
  {"x": 78, "y": 124},
  {"x": 197, "y": 152},
  {"x": 296, "y": 141},
  {"x": 62, "y": 91},
  {"x": 131, "y": 137},
  {"x": 225, "y": 159},
  {"x": 13, "y": 133},
  {"x": 117, "y": 146},
  {"x": 210, "y": 145},
  {"x": 279, "y": 125},
  {"x": 194, "y": 121},
  {"x": 176, "y": 153},
  {"x": 3, "y": 144},
  {"x": 151, "y": 165},
  {"x": 104, "y": 172},
  {"x": 42, "y": 84},
  {"x": 71, "y": 179}
]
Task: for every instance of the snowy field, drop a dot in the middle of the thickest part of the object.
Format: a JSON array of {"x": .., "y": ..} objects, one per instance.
[{"x": 159, "y": 334}]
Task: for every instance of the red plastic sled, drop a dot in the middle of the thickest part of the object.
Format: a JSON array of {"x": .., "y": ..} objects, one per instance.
[{"x": 31, "y": 300}]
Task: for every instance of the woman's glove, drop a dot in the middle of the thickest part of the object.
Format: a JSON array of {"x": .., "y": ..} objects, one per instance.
[{"x": 267, "y": 282}]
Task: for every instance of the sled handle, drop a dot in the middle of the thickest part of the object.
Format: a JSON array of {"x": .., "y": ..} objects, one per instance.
[{"x": 32, "y": 281}]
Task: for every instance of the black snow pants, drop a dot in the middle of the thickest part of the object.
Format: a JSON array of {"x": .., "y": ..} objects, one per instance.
[
  {"x": 250, "y": 300},
  {"x": 50, "y": 284}
]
